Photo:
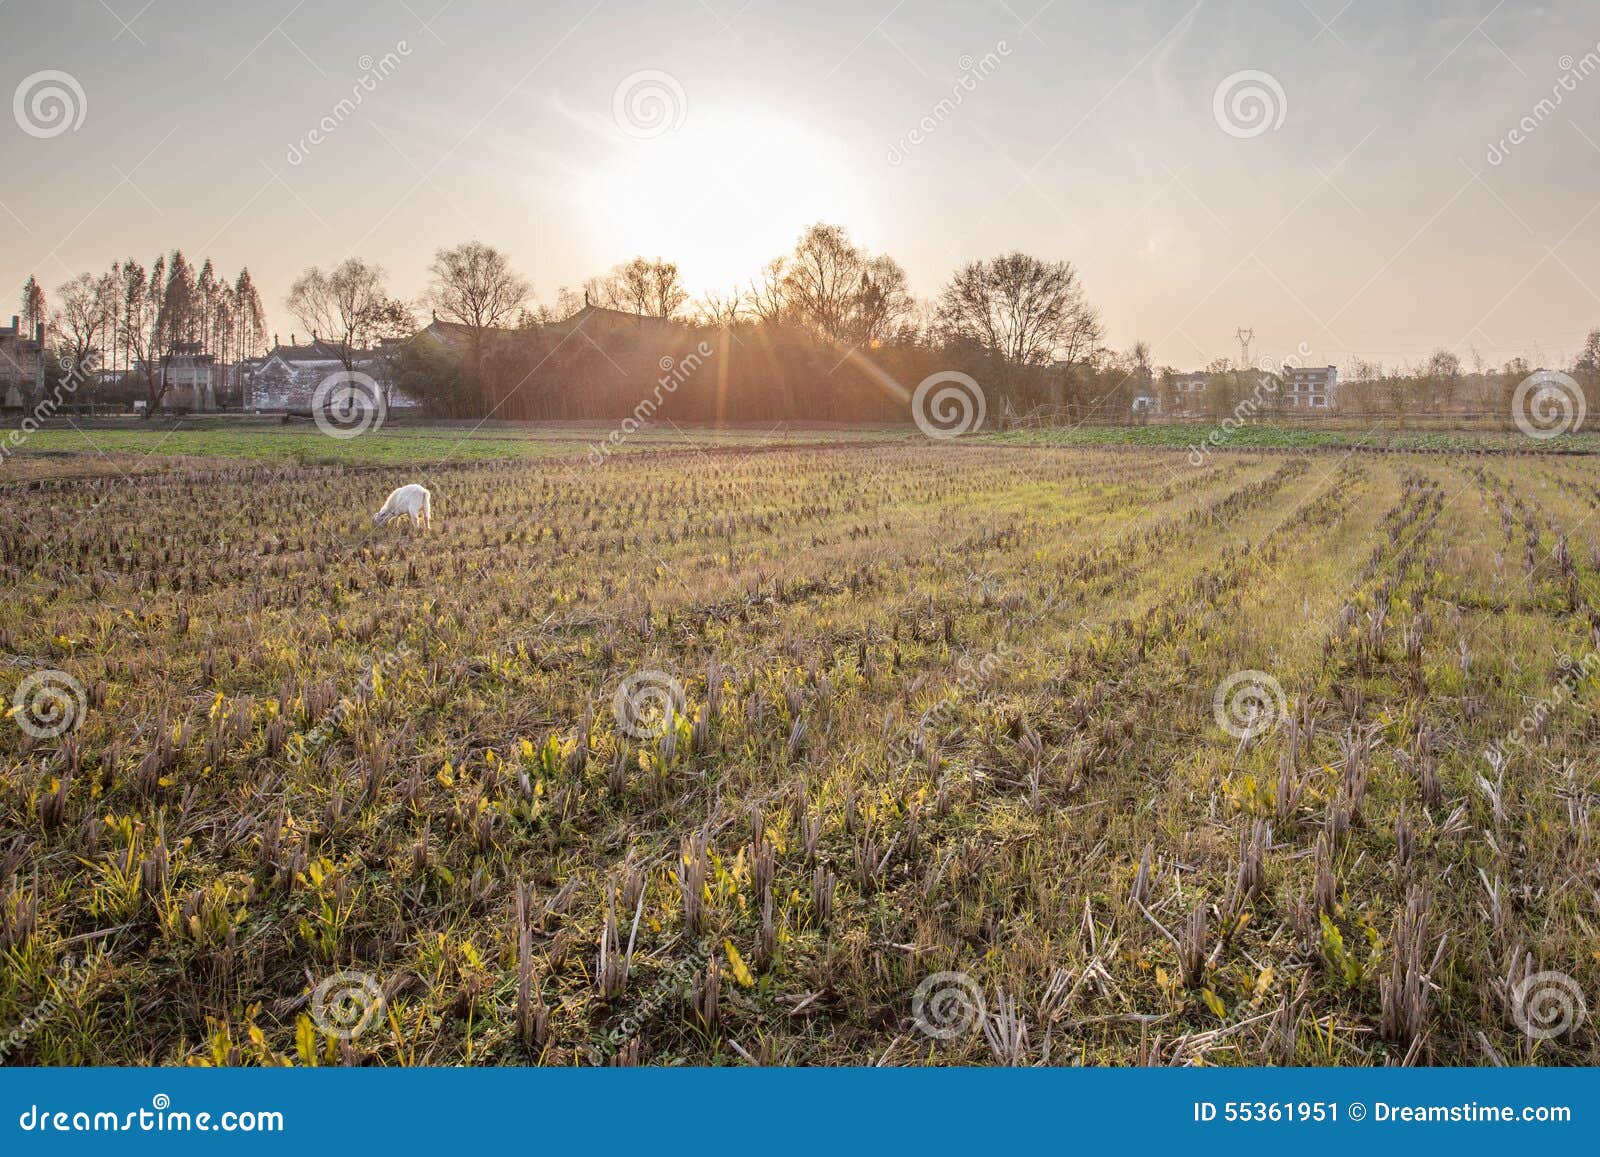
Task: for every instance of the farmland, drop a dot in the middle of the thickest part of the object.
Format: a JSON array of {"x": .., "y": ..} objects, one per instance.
[
  {"x": 832, "y": 750},
  {"x": 121, "y": 446}
]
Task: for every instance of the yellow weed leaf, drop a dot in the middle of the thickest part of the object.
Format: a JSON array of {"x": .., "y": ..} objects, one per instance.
[{"x": 736, "y": 963}]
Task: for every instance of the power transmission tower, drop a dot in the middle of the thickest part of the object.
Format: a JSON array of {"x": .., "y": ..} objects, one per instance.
[{"x": 1245, "y": 336}]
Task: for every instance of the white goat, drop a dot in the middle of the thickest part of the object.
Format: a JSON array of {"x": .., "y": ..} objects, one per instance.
[{"x": 417, "y": 501}]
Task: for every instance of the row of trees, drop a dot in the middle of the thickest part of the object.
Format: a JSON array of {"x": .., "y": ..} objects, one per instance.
[
  {"x": 133, "y": 321},
  {"x": 349, "y": 309},
  {"x": 828, "y": 331},
  {"x": 1440, "y": 385}
]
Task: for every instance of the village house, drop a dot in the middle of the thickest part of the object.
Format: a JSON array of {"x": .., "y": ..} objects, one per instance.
[
  {"x": 1189, "y": 393},
  {"x": 189, "y": 378},
  {"x": 22, "y": 363},
  {"x": 597, "y": 323},
  {"x": 288, "y": 376},
  {"x": 1310, "y": 387},
  {"x": 457, "y": 338}
]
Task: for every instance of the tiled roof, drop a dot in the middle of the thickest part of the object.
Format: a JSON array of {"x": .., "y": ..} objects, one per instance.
[{"x": 319, "y": 351}]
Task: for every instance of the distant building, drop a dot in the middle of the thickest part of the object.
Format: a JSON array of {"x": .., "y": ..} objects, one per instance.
[
  {"x": 594, "y": 322},
  {"x": 189, "y": 377},
  {"x": 1146, "y": 401},
  {"x": 1189, "y": 393},
  {"x": 1310, "y": 387},
  {"x": 22, "y": 363},
  {"x": 598, "y": 322},
  {"x": 457, "y": 338},
  {"x": 288, "y": 377}
]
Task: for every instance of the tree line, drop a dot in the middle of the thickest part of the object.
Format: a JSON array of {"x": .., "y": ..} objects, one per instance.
[
  {"x": 828, "y": 331},
  {"x": 1441, "y": 385},
  {"x": 129, "y": 322}
]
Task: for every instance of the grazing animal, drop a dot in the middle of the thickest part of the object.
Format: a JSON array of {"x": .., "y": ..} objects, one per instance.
[{"x": 417, "y": 501}]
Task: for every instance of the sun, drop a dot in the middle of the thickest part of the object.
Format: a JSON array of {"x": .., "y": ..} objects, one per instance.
[{"x": 723, "y": 194}]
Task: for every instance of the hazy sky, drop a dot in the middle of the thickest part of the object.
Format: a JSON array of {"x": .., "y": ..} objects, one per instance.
[{"x": 1365, "y": 217}]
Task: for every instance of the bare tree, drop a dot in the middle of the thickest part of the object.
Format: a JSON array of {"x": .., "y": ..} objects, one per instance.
[
  {"x": 342, "y": 306},
  {"x": 1438, "y": 379},
  {"x": 1020, "y": 310},
  {"x": 822, "y": 280},
  {"x": 138, "y": 318},
  {"x": 80, "y": 322},
  {"x": 767, "y": 297},
  {"x": 883, "y": 301},
  {"x": 1443, "y": 364},
  {"x": 841, "y": 293},
  {"x": 633, "y": 281},
  {"x": 1138, "y": 357},
  {"x": 667, "y": 294},
  {"x": 250, "y": 319},
  {"x": 837, "y": 290},
  {"x": 394, "y": 323},
  {"x": 649, "y": 288},
  {"x": 722, "y": 310},
  {"x": 604, "y": 291},
  {"x": 475, "y": 286}
]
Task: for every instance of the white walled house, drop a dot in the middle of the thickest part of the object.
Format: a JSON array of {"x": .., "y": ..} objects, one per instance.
[
  {"x": 1310, "y": 387},
  {"x": 288, "y": 376},
  {"x": 189, "y": 378},
  {"x": 1189, "y": 393},
  {"x": 1146, "y": 400}
]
